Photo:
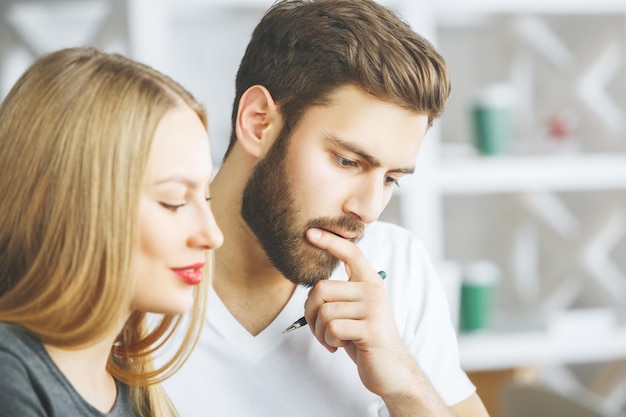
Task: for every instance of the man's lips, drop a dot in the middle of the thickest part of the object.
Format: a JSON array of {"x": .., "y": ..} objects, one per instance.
[
  {"x": 345, "y": 234},
  {"x": 191, "y": 274}
]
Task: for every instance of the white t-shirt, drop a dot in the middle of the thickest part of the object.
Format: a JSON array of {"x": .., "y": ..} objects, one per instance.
[{"x": 232, "y": 373}]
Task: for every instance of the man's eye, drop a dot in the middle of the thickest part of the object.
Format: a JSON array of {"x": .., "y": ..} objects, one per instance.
[
  {"x": 173, "y": 207},
  {"x": 392, "y": 181},
  {"x": 344, "y": 162}
]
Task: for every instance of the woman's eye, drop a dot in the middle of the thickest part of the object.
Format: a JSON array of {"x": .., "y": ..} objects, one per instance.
[
  {"x": 173, "y": 207},
  {"x": 344, "y": 162}
]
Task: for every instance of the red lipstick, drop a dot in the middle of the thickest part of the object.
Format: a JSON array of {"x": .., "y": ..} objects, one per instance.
[{"x": 192, "y": 274}]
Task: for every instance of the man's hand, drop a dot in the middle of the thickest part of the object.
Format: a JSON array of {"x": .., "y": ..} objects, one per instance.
[{"x": 356, "y": 315}]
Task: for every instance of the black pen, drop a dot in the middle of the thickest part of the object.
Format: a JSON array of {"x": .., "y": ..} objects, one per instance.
[{"x": 302, "y": 320}]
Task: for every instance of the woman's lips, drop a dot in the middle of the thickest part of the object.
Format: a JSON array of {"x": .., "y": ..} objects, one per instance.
[{"x": 191, "y": 275}]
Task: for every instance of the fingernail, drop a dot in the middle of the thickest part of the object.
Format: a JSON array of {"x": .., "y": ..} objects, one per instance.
[{"x": 315, "y": 234}]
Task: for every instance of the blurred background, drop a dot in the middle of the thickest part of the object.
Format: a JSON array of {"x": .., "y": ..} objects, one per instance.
[{"x": 520, "y": 191}]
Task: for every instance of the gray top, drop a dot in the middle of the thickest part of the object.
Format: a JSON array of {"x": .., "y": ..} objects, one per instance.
[{"x": 31, "y": 385}]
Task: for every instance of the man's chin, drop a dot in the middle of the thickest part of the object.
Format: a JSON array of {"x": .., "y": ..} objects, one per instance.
[
  {"x": 308, "y": 280},
  {"x": 309, "y": 273}
]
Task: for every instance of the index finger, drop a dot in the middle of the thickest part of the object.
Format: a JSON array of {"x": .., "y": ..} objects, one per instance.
[{"x": 357, "y": 265}]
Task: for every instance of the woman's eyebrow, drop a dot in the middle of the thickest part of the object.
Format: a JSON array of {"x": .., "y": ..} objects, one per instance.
[{"x": 178, "y": 179}]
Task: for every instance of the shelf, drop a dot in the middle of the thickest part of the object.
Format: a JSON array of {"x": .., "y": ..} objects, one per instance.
[
  {"x": 231, "y": 4},
  {"x": 463, "y": 6},
  {"x": 505, "y": 174},
  {"x": 253, "y": 4},
  {"x": 491, "y": 351},
  {"x": 528, "y": 6}
]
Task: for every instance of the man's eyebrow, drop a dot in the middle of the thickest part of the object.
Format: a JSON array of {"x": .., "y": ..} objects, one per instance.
[{"x": 362, "y": 153}]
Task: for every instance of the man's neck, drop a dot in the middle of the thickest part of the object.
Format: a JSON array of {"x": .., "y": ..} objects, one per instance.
[
  {"x": 254, "y": 307},
  {"x": 248, "y": 284},
  {"x": 250, "y": 287}
]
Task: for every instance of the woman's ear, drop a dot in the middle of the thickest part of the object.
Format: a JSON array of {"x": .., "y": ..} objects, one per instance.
[{"x": 258, "y": 121}]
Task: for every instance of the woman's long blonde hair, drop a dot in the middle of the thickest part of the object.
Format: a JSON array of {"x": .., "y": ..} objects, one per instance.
[{"x": 75, "y": 134}]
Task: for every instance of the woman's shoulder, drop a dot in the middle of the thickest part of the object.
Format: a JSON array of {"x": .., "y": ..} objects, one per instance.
[
  {"x": 19, "y": 347},
  {"x": 13, "y": 336}
]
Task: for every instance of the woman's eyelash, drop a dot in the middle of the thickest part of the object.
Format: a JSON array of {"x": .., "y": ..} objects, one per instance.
[{"x": 173, "y": 207}]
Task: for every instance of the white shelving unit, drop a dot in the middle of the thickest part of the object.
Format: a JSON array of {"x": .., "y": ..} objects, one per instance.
[
  {"x": 495, "y": 351},
  {"x": 521, "y": 174},
  {"x": 471, "y": 176}
]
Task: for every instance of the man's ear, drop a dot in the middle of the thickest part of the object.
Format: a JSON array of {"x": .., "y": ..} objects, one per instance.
[{"x": 258, "y": 121}]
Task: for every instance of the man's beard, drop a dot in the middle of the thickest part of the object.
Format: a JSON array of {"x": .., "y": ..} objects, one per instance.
[{"x": 270, "y": 210}]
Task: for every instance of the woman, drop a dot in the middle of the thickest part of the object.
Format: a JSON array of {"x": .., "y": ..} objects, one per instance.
[{"x": 105, "y": 173}]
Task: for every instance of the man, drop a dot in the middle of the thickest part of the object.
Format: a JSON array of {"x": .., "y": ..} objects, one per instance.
[{"x": 333, "y": 98}]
